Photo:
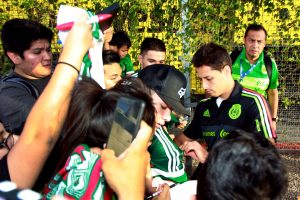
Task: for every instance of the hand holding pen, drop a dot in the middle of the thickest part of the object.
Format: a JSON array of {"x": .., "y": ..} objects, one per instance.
[{"x": 161, "y": 191}]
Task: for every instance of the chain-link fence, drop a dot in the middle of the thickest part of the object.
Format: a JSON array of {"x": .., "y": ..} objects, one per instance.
[
  {"x": 289, "y": 107},
  {"x": 184, "y": 25}
]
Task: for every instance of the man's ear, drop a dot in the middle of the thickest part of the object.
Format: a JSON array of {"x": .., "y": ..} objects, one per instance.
[
  {"x": 14, "y": 57},
  {"x": 227, "y": 70},
  {"x": 140, "y": 58}
]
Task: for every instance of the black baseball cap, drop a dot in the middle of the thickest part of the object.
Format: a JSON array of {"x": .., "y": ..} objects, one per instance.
[{"x": 169, "y": 84}]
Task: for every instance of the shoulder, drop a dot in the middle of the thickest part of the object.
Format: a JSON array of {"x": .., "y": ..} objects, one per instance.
[
  {"x": 234, "y": 55},
  {"x": 126, "y": 58},
  {"x": 83, "y": 153},
  {"x": 161, "y": 132},
  {"x": 253, "y": 98},
  {"x": 204, "y": 102},
  {"x": 248, "y": 93},
  {"x": 12, "y": 86},
  {"x": 14, "y": 80},
  {"x": 16, "y": 85},
  {"x": 269, "y": 59},
  {"x": 273, "y": 62}
]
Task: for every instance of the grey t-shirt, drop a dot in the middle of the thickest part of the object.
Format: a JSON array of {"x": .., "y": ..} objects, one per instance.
[{"x": 17, "y": 101}]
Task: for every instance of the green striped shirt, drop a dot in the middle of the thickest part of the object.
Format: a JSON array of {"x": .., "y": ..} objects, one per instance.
[
  {"x": 257, "y": 79},
  {"x": 166, "y": 158}
]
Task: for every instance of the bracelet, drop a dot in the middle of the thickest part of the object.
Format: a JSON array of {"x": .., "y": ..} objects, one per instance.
[{"x": 77, "y": 70}]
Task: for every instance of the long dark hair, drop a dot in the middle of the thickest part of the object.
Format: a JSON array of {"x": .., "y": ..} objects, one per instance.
[
  {"x": 91, "y": 113},
  {"x": 89, "y": 119}
]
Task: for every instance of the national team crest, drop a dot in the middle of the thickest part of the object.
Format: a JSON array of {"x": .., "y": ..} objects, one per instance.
[
  {"x": 235, "y": 111},
  {"x": 264, "y": 70}
]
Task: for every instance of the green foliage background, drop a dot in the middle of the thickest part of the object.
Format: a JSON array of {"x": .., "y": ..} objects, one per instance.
[{"x": 184, "y": 25}]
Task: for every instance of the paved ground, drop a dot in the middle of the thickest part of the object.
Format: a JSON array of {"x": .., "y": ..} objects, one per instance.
[
  {"x": 291, "y": 158},
  {"x": 289, "y": 148}
]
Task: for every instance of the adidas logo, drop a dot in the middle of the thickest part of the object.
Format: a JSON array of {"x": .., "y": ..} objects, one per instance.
[{"x": 206, "y": 113}]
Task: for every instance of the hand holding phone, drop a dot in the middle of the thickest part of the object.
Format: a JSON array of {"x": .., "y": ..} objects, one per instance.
[
  {"x": 118, "y": 170},
  {"x": 127, "y": 119}
]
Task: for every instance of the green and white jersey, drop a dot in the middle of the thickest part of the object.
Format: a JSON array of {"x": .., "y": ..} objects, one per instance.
[
  {"x": 254, "y": 76},
  {"x": 126, "y": 65},
  {"x": 166, "y": 158}
]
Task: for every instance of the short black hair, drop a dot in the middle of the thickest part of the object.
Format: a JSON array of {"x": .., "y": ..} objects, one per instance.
[
  {"x": 212, "y": 55},
  {"x": 242, "y": 166},
  {"x": 18, "y": 34},
  {"x": 110, "y": 57},
  {"x": 255, "y": 27},
  {"x": 120, "y": 39},
  {"x": 152, "y": 44}
]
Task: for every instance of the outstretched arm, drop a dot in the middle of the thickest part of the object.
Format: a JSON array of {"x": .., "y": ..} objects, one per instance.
[{"x": 46, "y": 118}]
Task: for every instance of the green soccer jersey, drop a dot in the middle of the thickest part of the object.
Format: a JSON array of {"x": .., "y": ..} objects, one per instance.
[
  {"x": 174, "y": 120},
  {"x": 166, "y": 158},
  {"x": 126, "y": 65},
  {"x": 255, "y": 76}
]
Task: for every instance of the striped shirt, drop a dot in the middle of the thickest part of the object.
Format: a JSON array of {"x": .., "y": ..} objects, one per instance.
[
  {"x": 80, "y": 178},
  {"x": 244, "y": 109},
  {"x": 256, "y": 79},
  {"x": 166, "y": 158}
]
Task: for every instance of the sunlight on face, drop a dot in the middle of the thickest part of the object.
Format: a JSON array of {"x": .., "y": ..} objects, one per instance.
[
  {"x": 152, "y": 57},
  {"x": 213, "y": 81},
  {"x": 163, "y": 112},
  {"x": 112, "y": 74},
  {"x": 123, "y": 51},
  {"x": 255, "y": 42},
  {"x": 37, "y": 61}
]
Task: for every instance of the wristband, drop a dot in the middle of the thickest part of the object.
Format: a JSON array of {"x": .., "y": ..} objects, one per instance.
[{"x": 60, "y": 62}]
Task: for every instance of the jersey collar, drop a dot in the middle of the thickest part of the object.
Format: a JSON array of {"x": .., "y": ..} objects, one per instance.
[{"x": 236, "y": 93}]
